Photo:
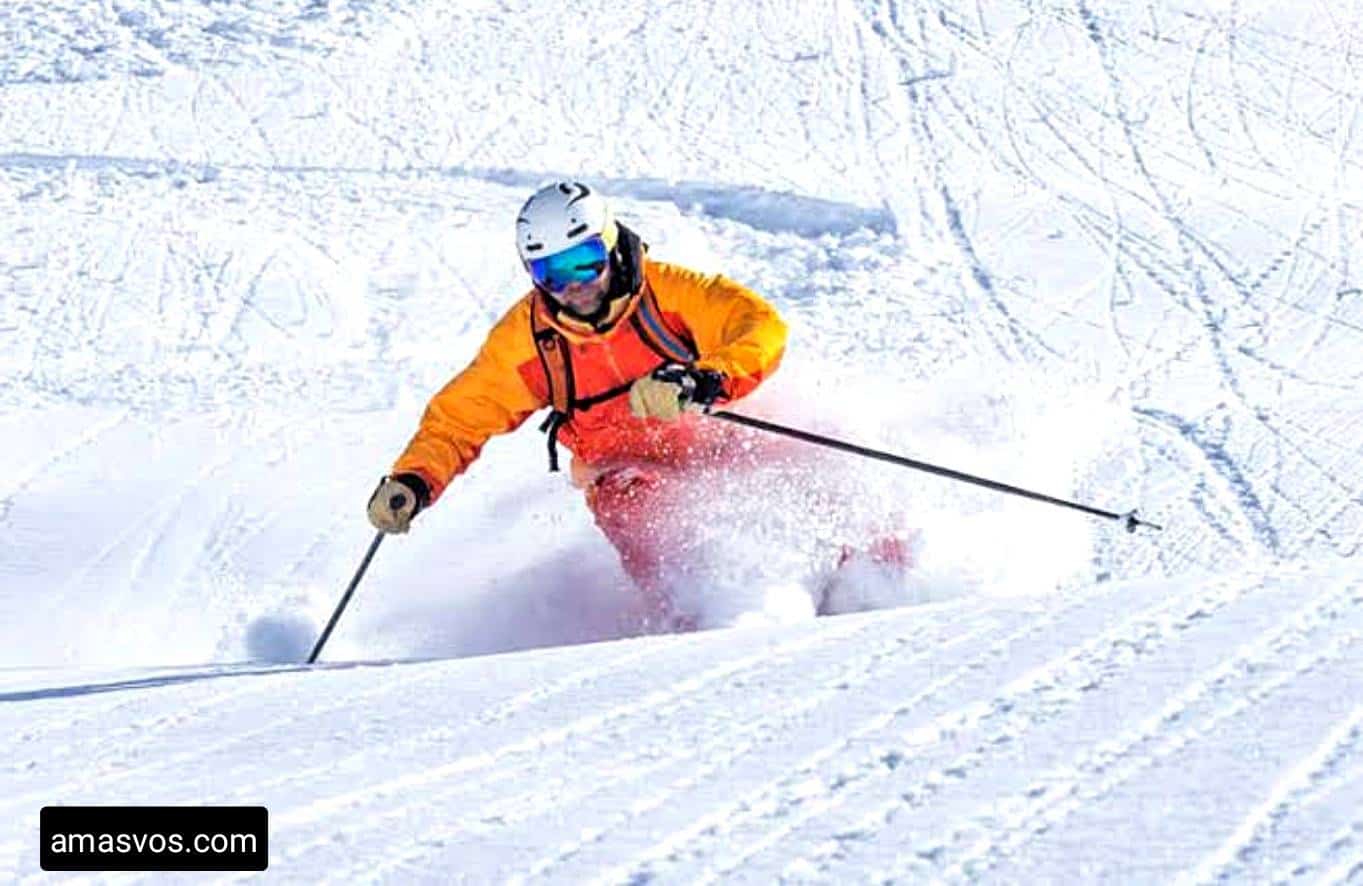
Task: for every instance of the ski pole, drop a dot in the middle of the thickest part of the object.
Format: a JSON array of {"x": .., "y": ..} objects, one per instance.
[
  {"x": 1129, "y": 519},
  {"x": 340, "y": 607}
]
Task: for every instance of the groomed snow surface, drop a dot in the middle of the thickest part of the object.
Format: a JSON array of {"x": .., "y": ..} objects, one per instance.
[{"x": 1105, "y": 251}]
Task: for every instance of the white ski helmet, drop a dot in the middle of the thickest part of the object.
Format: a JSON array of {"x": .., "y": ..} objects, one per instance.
[{"x": 561, "y": 215}]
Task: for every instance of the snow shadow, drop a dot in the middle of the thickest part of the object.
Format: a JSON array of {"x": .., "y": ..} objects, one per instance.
[
  {"x": 283, "y": 637},
  {"x": 767, "y": 210}
]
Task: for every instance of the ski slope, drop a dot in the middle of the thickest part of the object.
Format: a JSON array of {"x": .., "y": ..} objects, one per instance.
[
  {"x": 1102, "y": 251},
  {"x": 1136, "y": 732}
]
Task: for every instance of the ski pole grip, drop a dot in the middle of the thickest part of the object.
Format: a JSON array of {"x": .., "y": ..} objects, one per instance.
[{"x": 397, "y": 502}]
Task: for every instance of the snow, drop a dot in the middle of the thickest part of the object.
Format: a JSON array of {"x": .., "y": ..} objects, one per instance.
[
  {"x": 1132, "y": 731},
  {"x": 1105, "y": 252}
]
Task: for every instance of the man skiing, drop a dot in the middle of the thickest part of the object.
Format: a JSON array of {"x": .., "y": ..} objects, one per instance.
[{"x": 617, "y": 345}]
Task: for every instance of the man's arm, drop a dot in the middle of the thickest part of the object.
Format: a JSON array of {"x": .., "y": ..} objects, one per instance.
[
  {"x": 736, "y": 331},
  {"x": 489, "y": 397}
]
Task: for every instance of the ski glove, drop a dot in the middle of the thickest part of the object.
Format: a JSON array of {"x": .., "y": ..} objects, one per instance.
[
  {"x": 672, "y": 388},
  {"x": 396, "y": 501}
]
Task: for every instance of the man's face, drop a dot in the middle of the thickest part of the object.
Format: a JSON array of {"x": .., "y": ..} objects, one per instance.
[{"x": 585, "y": 299}]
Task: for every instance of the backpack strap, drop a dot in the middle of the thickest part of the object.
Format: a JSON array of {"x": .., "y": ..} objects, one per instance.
[
  {"x": 552, "y": 348},
  {"x": 556, "y": 360},
  {"x": 650, "y": 326}
]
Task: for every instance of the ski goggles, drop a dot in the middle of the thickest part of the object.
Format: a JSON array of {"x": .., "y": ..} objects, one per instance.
[{"x": 582, "y": 263}]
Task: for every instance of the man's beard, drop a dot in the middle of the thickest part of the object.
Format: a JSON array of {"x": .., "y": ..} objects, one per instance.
[
  {"x": 600, "y": 309},
  {"x": 596, "y": 315}
]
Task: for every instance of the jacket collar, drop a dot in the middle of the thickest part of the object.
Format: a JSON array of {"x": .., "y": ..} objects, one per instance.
[{"x": 581, "y": 330}]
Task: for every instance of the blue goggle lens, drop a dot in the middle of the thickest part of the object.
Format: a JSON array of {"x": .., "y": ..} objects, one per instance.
[{"x": 582, "y": 263}]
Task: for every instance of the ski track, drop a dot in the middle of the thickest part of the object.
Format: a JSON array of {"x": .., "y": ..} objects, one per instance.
[
  {"x": 496, "y": 714},
  {"x": 153, "y": 732},
  {"x": 1341, "y": 856},
  {"x": 347, "y": 802},
  {"x": 165, "y": 729},
  {"x": 720, "y": 751},
  {"x": 1113, "y": 762},
  {"x": 1019, "y": 720},
  {"x": 1265, "y": 528},
  {"x": 14, "y": 485},
  {"x": 799, "y": 796},
  {"x": 143, "y": 536},
  {"x": 1312, "y": 775},
  {"x": 867, "y": 758},
  {"x": 1011, "y": 715},
  {"x": 650, "y": 761}
]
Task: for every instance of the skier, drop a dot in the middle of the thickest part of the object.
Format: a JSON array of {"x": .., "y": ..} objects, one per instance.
[{"x": 622, "y": 349}]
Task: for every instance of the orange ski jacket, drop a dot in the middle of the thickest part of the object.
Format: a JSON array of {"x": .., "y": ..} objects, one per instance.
[{"x": 729, "y": 327}]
